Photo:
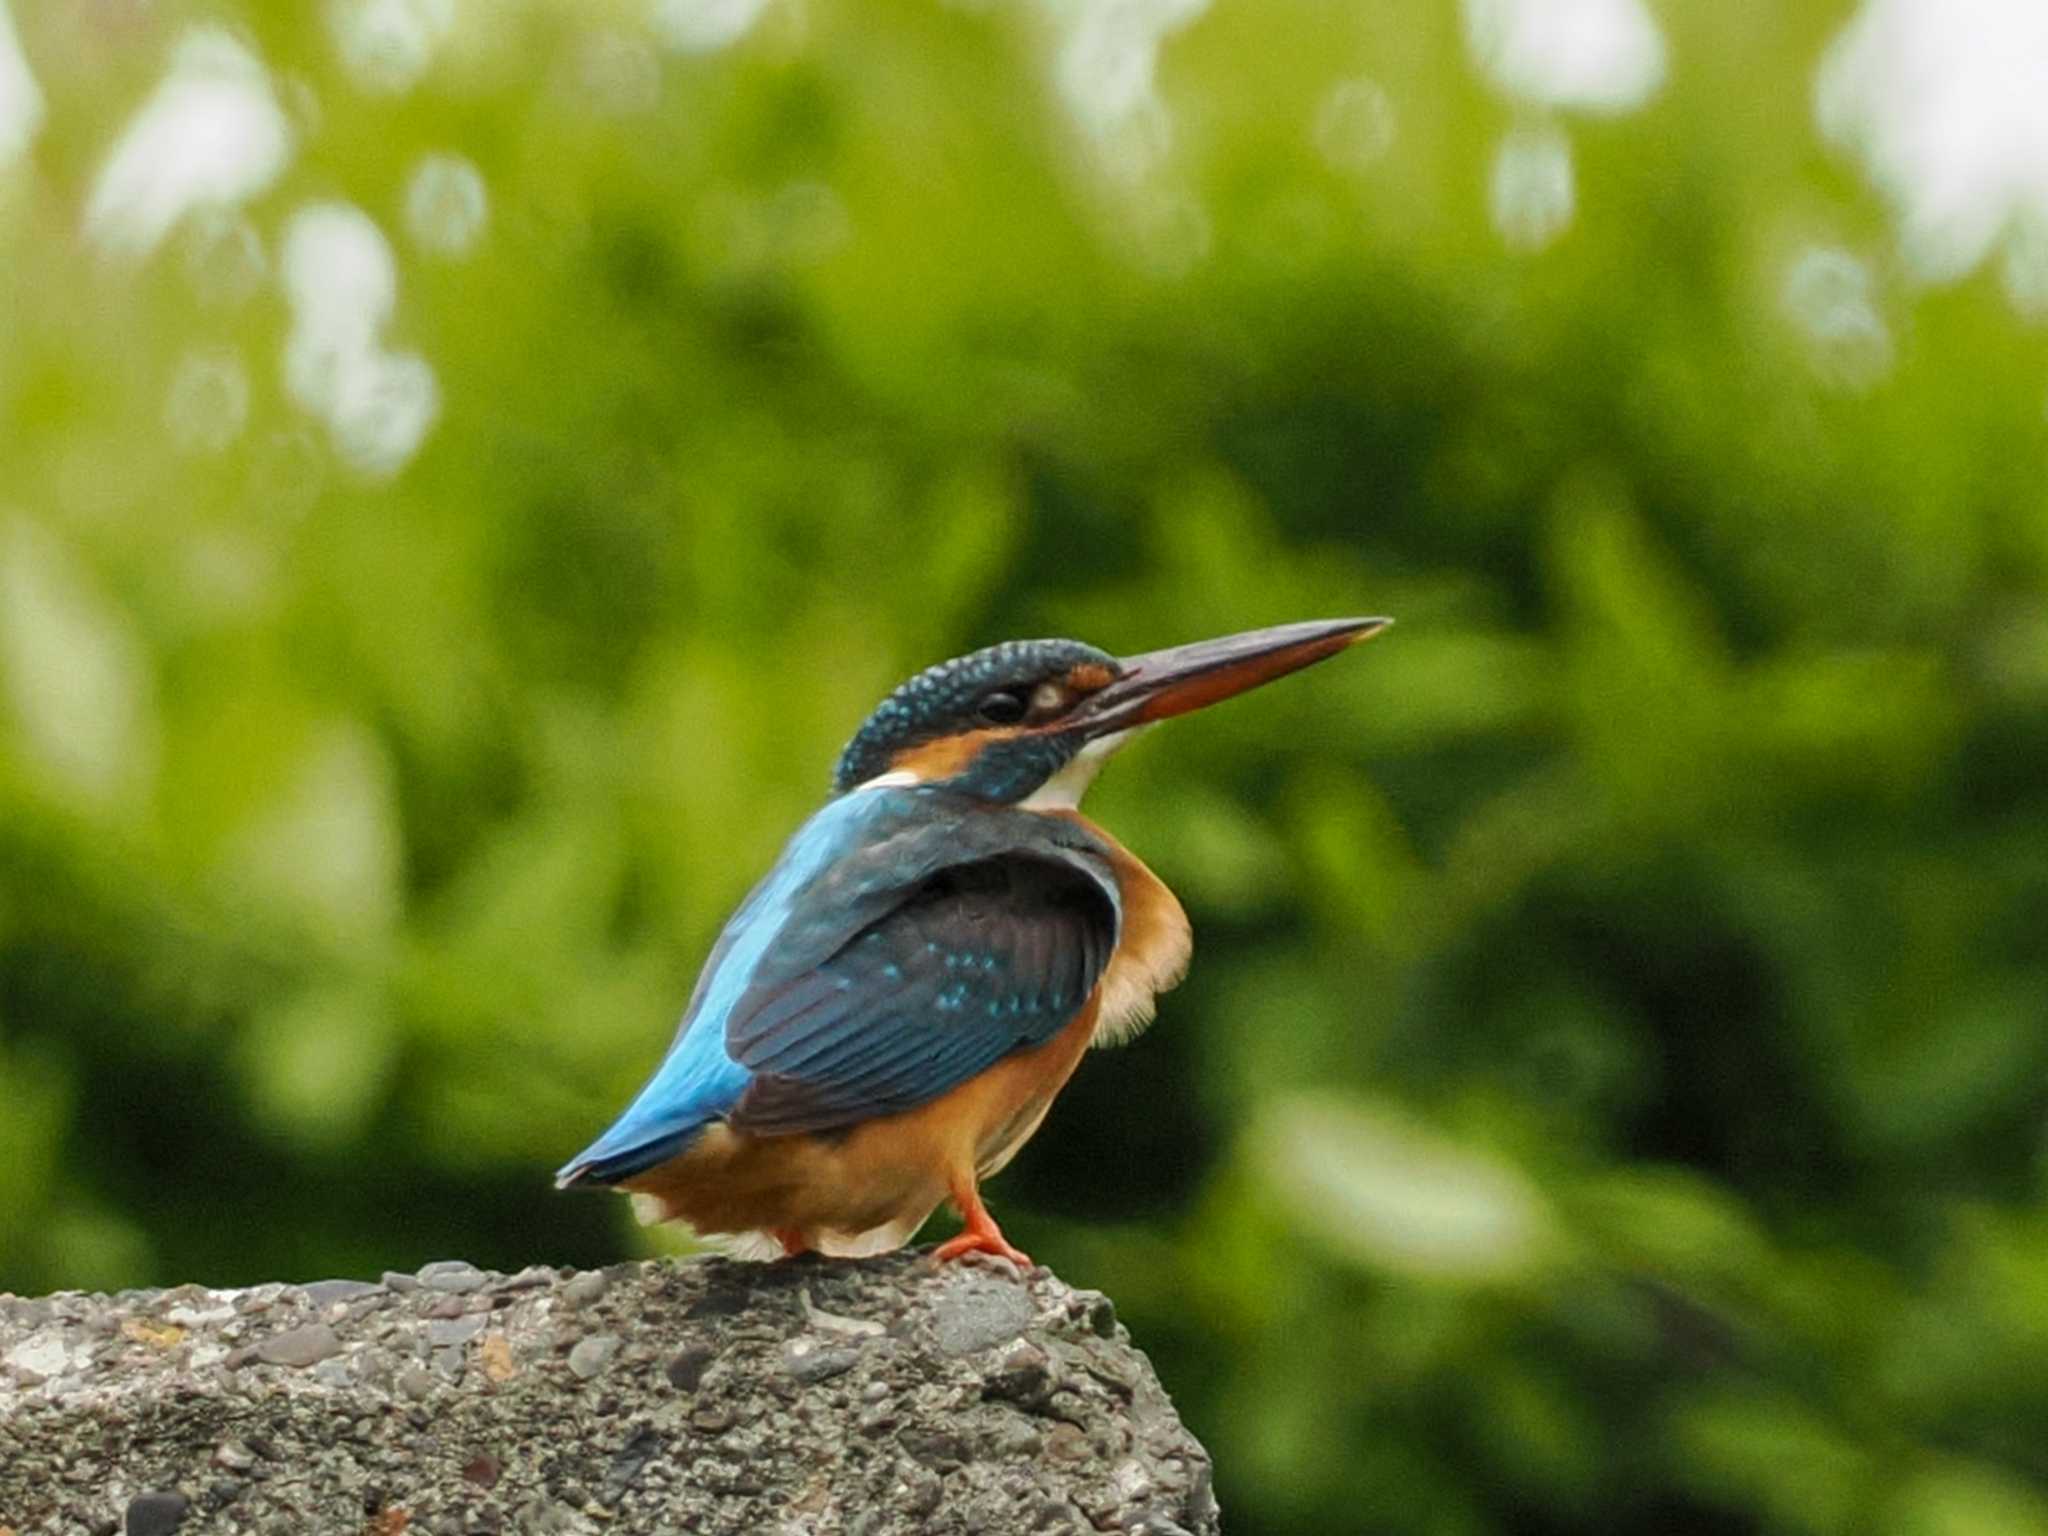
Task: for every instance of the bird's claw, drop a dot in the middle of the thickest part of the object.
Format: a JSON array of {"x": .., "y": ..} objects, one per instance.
[{"x": 991, "y": 1245}]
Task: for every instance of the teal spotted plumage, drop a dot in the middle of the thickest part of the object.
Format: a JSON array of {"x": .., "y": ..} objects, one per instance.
[{"x": 947, "y": 698}]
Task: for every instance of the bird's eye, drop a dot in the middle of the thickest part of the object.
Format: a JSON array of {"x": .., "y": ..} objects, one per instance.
[{"x": 1001, "y": 708}]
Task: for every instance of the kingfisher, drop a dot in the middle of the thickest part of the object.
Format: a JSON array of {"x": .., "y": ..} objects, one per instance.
[{"x": 888, "y": 1016}]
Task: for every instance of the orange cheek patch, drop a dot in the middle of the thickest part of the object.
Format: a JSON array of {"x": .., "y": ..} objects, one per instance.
[{"x": 947, "y": 756}]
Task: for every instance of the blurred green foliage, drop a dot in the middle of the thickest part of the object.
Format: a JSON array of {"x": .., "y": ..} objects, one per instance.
[{"x": 1609, "y": 1092}]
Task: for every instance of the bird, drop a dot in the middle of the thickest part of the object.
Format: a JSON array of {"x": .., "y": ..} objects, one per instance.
[{"x": 889, "y": 1014}]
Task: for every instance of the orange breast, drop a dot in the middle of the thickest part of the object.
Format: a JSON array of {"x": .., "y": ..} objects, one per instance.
[
  {"x": 1152, "y": 949},
  {"x": 889, "y": 1172}
]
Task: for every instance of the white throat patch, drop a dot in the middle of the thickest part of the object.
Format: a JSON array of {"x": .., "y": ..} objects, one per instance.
[
  {"x": 1063, "y": 791},
  {"x": 896, "y": 778}
]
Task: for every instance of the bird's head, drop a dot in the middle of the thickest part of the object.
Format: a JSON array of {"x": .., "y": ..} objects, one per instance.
[{"x": 1032, "y": 720}]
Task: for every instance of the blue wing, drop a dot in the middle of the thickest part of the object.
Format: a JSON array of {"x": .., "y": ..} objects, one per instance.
[
  {"x": 821, "y": 1003},
  {"x": 979, "y": 960}
]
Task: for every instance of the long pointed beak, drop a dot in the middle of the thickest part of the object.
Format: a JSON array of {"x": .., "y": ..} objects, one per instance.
[{"x": 1160, "y": 684}]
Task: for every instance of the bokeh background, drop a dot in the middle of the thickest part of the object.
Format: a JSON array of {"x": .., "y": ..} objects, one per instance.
[{"x": 464, "y": 468}]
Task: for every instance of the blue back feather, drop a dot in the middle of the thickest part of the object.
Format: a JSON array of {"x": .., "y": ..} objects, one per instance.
[
  {"x": 905, "y": 939},
  {"x": 697, "y": 1082}
]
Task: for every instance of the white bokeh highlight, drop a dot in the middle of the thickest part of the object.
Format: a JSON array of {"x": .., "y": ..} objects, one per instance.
[
  {"x": 1578, "y": 55},
  {"x": 341, "y": 280},
  {"x": 1106, "y": 71},
  {"x": 704, "y": 26},
  {"x": 1394, "y": 1194},
  {"x": 211, "y": 135},
  {"x": 1552, "y": 56},
  {"x": 387, "y": 45},
  {"x": 1829, "y": 295},
  {"x": 1946, "y": 106},
  {"x": 446, "y": 206}
]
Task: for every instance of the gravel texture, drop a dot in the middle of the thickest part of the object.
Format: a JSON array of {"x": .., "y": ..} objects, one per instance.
[{"x": 866, "y": 1398}]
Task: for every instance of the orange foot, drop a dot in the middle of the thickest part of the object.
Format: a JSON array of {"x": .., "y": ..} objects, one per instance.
[
  {"x": 982, "y": 1234},
  {"x": 792, "y": 1240},
  {"x": 990, "y": 1241}
]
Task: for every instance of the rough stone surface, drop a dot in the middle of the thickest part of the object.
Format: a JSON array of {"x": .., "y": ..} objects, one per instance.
[{"x": 864, "y": 1398}]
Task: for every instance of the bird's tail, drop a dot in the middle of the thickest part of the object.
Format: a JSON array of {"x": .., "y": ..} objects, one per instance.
[{"x": 620, "y": 1153}]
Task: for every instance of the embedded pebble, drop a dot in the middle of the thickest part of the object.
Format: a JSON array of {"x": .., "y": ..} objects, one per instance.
[
  {"x": 712, "y": 1421},
  {"x": 44, "y": 1355},
  {"x": 834, "y": 1322},
  {"x": 1023, "y": 1377},
  {"x": 979, "y": 1313},
  {"x": 457, "y": 1330},
  {"x": 1131, "y": 1480},
  {"x": 1095, "y": 1309},
  {"x": 628, "y": 1464},
  {"x": 300, "y": 1347},
  {"x": 415, "y": 1383},
  {"x": 809, "y": 1361},
  {"x": 452, "y": 1275},
  {"x": 586, "y": 1288},
  {"x": 155, "y": 1514},
  {"x": 593, "y": 1354},
  {"x": 495, "y": 1356},
  {"x": 325, "y": 1293},
  {"x": 186, "y": 1316},
  {"x": 686, "y": 1369}
]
